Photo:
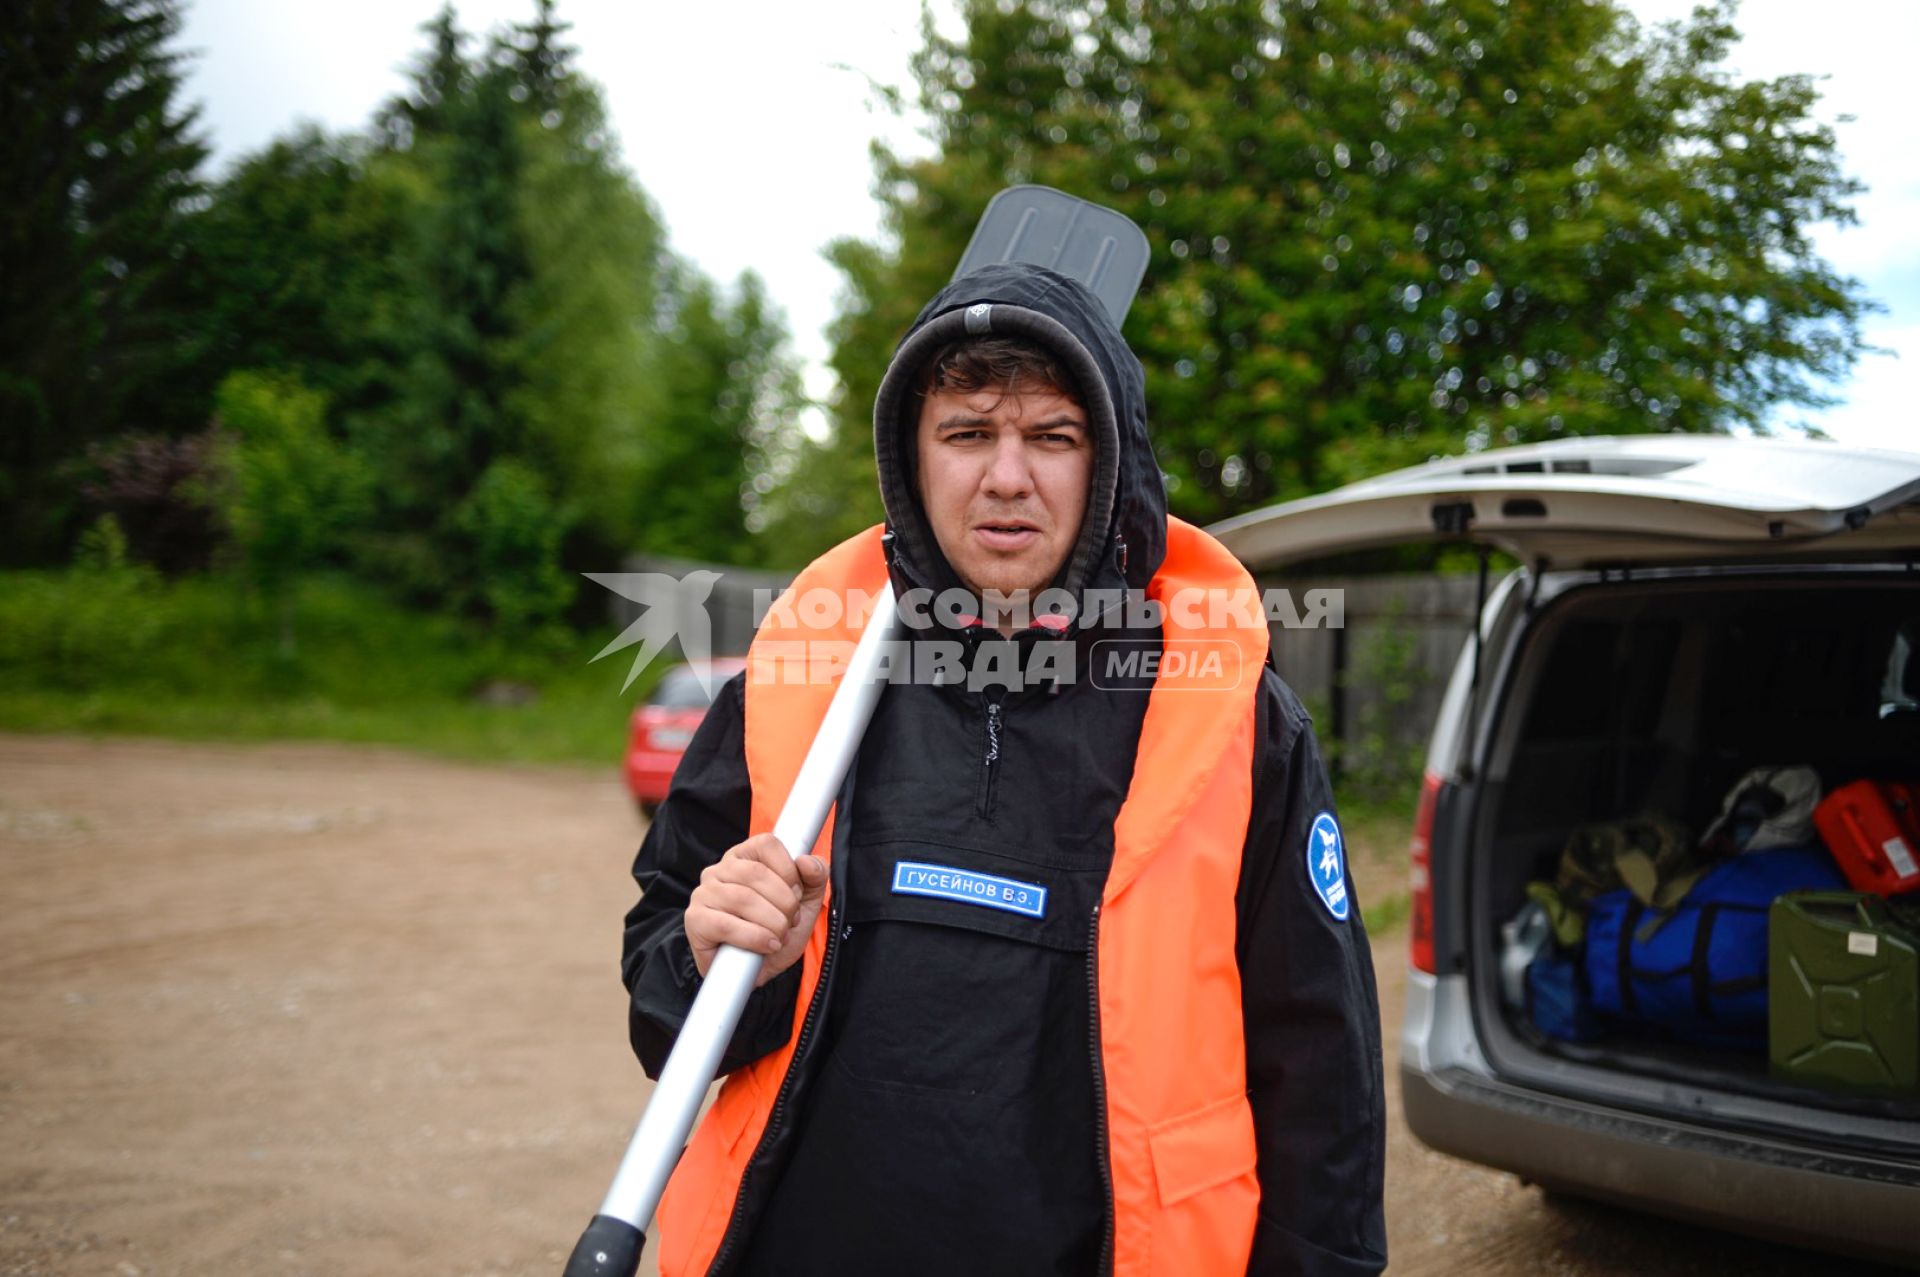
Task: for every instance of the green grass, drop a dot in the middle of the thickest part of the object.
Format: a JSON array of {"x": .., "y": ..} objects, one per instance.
[
  {"x": 1386, "y": 916},
  {"x": 1376, "y": 837},
  {"x": 118, "y": 651},
  {"x": 1389, "y": 821}
]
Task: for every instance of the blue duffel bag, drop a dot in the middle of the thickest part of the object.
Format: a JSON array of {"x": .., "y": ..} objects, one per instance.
[
  {"x": 1557, "y": 1003},
  {"x": 1699, "y": 971}
]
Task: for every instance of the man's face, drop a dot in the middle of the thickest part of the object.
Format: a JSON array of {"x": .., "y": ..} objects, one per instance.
[{"x": 1003, "y": 478}]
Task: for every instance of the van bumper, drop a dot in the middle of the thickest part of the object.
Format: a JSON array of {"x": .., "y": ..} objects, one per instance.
[{"x": 1848, "y": 1203}]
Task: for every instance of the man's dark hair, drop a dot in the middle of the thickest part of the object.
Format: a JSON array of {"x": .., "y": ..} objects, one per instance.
[{"x": 1012, "y": 364}]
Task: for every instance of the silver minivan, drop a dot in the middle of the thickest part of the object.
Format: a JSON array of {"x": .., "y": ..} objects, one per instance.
[{"x": 1689, "y": 608}]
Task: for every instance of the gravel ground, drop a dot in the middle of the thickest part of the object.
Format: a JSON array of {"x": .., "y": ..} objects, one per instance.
[{"x": 323, "y": 1010}]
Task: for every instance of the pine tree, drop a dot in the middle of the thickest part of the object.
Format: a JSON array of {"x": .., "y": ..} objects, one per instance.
[
  {"x": 559, "y": 371},
  {"x": 541, "y": 65},
  {"x": 590, "y": 308},
  {"x": 440, "y": 79},
  {"x": 457, "y": 366},
  {"x": 101, "y": 166}
]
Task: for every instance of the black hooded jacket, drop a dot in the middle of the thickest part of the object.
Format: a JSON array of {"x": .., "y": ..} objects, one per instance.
[{"x": 942, "y": 1112}]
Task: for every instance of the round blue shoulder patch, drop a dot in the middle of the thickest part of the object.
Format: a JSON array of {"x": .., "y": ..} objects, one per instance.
[{"x": 1327, "y": 864}]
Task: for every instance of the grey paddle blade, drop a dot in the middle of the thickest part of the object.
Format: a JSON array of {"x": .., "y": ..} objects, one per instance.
[{"x": 1044, "y": 227}]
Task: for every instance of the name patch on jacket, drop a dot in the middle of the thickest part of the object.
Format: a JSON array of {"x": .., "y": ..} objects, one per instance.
[
  {"x": 1326, "y": 864},
  {"x": 964, "y": 886}
]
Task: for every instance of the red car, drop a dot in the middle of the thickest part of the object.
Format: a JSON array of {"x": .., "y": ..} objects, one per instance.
[{"x": 660, "y": 729}]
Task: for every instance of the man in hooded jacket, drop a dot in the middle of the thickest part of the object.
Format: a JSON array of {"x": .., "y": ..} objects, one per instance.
[{"x": 954, "y": 1061}]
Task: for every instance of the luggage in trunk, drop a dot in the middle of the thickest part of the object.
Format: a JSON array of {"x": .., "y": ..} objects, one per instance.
[
  {"x": 1699, "y": 971},
  {"x": 1873, "y": 829},
  {"x": 1844, "y": 994}
]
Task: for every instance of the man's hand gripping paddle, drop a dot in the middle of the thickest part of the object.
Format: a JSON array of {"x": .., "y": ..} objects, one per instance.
[{"x": 1033, "y": 224}]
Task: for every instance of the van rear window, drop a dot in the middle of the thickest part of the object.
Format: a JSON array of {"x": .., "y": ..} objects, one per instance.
[{"x": 1604, "y": 678}]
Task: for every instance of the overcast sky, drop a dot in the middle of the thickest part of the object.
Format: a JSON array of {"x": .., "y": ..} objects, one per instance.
[{"x": 749, "y": 124}]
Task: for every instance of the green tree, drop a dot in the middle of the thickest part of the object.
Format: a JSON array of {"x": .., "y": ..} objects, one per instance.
[
  {"x": 732, "y": 400},
  {"x": 458, "y": 362},
  {"x": 829, "y": 491},
  {"x": 101, "y": 165},
  {"x": 293, "y": 267},
  {"x": 1384, "y": 231},
  {"x": 440, "y": 79},
  {"x": 589, "y": 346},
  {"x": 541, "y": 65},
  {"x": 483, "y": 296},
  {"x": 554, "y": 330},
  {"x": 469, "y": 258},
  {"x": 287, "y": 491},
  {"x": 511, "y": 530}
]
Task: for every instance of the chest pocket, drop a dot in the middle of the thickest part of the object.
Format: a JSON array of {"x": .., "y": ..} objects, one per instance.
[{"x": 967, "y": 971}]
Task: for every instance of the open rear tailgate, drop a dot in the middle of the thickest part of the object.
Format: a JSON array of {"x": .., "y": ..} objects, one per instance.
[{"x": 1618, "y": 500}]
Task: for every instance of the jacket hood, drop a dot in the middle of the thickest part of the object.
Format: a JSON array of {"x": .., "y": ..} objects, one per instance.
[{"x": 1124, "y": 534}]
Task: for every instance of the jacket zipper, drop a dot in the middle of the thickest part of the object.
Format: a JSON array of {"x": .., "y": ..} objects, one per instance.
[
  {"x": 774, "y": 1117},
  {"x": 989, "y": 760},
  {"x": 1102, "y": 1156}
]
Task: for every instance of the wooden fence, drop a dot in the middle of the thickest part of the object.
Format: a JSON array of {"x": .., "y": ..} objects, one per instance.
[{"x": 1374, "y": 684}]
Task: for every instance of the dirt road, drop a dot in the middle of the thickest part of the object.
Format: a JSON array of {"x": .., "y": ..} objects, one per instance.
[{"x": 335, "y": 1011}]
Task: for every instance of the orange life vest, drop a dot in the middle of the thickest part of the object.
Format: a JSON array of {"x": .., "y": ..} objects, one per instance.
[{"x": 1179, "y": 1128}]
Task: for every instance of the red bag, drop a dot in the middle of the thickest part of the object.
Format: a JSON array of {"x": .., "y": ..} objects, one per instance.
[{"x": 1872, "y": 827}]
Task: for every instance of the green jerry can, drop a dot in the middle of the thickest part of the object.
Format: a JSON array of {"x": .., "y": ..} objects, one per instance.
[{"x": 1843, "y": 993}]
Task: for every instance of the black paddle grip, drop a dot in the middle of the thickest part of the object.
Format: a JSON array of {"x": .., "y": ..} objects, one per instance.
[{"x": 609, "y": 1248}]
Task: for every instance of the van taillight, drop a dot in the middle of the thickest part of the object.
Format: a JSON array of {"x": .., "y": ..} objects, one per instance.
[{"x": 1420, "y": 877}]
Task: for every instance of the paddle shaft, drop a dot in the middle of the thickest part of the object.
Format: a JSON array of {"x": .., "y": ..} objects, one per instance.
[{"x": 610, "y": 1246}]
